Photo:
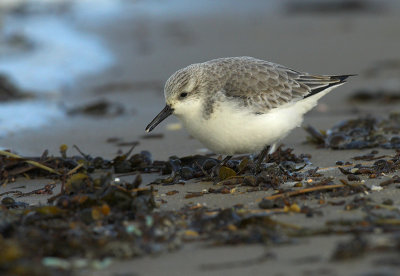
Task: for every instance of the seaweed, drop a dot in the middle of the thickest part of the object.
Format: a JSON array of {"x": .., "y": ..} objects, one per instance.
[
  {"x": 360, "y": 133},
  {"x": 97, "y": 218},
  {"x": 9, "y": 91},
  {"x": 100, "y": 108},
  {"x": 381, "y": 96}
]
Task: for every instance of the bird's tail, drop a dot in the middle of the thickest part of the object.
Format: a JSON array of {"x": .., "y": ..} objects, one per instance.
[
  {"x": 321, "y": 83},
  {"x": 342, "y": 78}
]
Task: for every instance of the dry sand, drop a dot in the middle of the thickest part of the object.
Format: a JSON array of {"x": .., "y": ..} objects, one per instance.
[{"x": 150, "y": 49}]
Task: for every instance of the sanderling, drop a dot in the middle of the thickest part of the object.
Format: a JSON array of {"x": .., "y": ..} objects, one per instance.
[{"x": 241, "y": 105}]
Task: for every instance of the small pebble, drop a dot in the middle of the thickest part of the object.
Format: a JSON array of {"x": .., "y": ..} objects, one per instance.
[
  {"x": 123, "y": 167},
  {"x": 209, "y": 164},
  {"x": 376, "y": 188},
  {"x": 266, "y": 204},
  {"x": 8, "y": 201},
  {"x": 352, "y": 177},
  {"x": 186, "y": 173},
  {"x": 387, "y": 201}
]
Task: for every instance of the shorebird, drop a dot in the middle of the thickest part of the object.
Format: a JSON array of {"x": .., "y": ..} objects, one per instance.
[{"x": 239, "y": 105}]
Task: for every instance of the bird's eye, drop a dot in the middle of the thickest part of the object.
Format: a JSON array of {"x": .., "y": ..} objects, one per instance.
[{"x": 183, "y": 94}]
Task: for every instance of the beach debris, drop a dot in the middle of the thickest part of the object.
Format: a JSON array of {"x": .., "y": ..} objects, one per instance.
[
  {"x": 283, "y": 166},
  {"x": 173, "y": 192},
  {"x": 15, "y": 42},
  {"x": 354, "y": 248},
  {"x": 376, "y": 188},
  {"x": 381, "y": 96},
  {"x": 369, "y": 156},
  {"x": 89, "y": 208},
  {"x": 11, "y": 203},
  {"x": 99, "y": 216},
  {"x": 331, "y": 7},
  {"x": 99, "y": 108},
  {"x": 305, "y": 191},
  {"x": 386, "y": 67},
  {"x": 119, "y": 142},
  {"x": 393, "y": 179},
  {"x": 286, "y": 155},
  {"x": 270, "y": 204},
  {"x": 152, "y": 136},
  {"x": 225, "y": 172},
  {"x": 14, "y": 165},
  {"x": 360, "y": 133},
  {"x": 377, "y": 169},
  {"x": 12, "y": 156},
  {"x": 9, "y": 91},
  {"x": 96, "y": 218},
  {"x": 352, "y": 177}
]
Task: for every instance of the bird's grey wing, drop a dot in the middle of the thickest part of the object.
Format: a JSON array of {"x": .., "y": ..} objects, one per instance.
[{"x": 265, "y": 85}]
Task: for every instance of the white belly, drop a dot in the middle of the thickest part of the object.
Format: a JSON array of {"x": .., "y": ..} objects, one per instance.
[{"x": 231, "y": 130}]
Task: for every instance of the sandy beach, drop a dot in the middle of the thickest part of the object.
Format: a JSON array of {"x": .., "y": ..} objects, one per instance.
[{"x": 149, "y": 46}]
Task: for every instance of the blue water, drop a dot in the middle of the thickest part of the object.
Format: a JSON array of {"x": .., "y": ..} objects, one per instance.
[
  {"x": 22, "y": 115},
  {"x": 61, "y": 53}
]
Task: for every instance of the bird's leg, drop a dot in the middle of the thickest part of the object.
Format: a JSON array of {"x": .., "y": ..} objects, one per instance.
[
  {"x": 266, "y": 150},
  {"x": 261, "y": 158},
  {"x": 215, "y": 170}
]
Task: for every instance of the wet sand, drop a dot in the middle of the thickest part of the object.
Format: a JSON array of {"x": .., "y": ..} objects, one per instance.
[{"x": 150, "y": 49}]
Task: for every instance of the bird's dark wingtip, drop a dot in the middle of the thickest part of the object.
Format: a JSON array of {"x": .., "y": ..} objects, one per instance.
[
  {"x": 334, "y": 80},
  {"x": 342, "y": 78}
]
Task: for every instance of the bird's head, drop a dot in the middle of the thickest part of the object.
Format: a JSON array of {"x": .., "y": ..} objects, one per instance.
[{"x": 182, "y": 94}]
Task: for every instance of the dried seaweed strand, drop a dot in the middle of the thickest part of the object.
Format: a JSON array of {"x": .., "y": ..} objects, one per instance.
[
  {"x": 11, "y": 192},
  {"x": 74, "y": 170},
  {"x": 343, "y": 166},
  {"x": 305, "y": 191},
  {"x": 388, "y": 221},
  {"x": 31, "y": 162},
  {"x": 240, "y": 177}
]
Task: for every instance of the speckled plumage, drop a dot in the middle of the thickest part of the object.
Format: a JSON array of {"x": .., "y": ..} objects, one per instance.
[
  {"x": 241, "y": 104},
  {"x": 253, "y": 82}
]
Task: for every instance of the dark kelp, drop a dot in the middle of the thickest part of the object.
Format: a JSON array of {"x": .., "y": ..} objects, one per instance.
[
  {"x": 9, "y": 91},
  {"x": 100, "y": 108},
  {"x": 96, "y": 218},
  {"x": 360, "y": 133}
]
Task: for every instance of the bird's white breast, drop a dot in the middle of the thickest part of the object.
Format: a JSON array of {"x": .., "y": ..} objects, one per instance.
[{"x": 235, "y": 130}]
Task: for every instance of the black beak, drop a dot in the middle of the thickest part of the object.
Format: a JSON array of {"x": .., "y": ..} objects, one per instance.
[{"x": 160, "y": 117}]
